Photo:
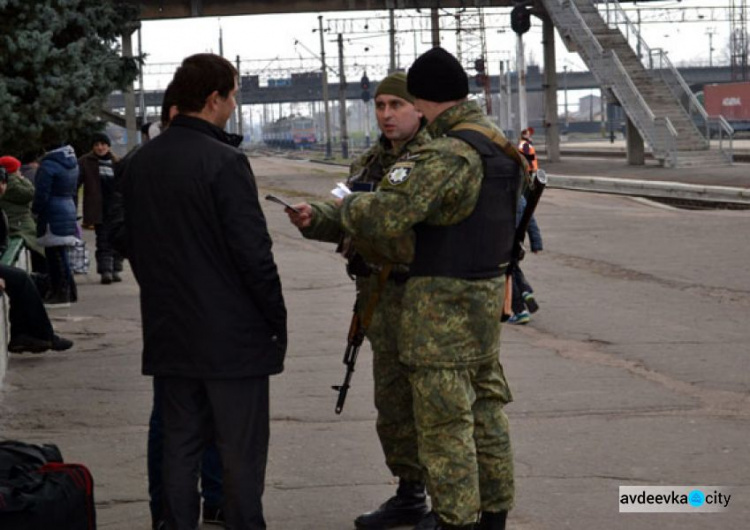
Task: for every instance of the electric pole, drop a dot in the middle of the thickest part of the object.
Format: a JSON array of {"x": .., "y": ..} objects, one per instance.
[
  {"x": 325, "y": 87},
  {"x": 435, "y": 18},
  {"x": 342, "y": 101},
  {"x": 711, "y": 32},
  {"x": 392, "y": 38}
]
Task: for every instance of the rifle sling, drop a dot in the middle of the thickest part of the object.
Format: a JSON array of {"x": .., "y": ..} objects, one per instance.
[{"x": 498, "y": 139}]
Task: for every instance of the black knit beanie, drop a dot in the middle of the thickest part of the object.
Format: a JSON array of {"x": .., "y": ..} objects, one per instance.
[
  {"x": 437, "y": 76},
  {"x": 101, "y": 138}
]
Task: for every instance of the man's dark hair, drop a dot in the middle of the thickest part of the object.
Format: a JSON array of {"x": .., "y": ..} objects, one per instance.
[
  {"x": 198, "y": 77},
  {"x": 166, "y": 105}
]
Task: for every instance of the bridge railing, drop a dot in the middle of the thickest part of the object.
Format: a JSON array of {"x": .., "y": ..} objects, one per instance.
[
  {"x": 611, "y": 74},
  {"x": 655, "y": 60}
]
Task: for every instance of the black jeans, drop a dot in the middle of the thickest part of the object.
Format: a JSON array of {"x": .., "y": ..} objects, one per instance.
[
  {"x": 107, "y": 258},
  {"x": 234, "y": 412},
  {"x": 520, "y": 286},
  {"x": 27, "y": 314},
  {"x": 211, "y": 483},
  {"x": 60, "y": 275}
]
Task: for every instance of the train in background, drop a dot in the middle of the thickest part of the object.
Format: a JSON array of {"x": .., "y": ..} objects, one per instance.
[
  {"x": 731, "y": 100},
  {"x": 295, "y": 132}
]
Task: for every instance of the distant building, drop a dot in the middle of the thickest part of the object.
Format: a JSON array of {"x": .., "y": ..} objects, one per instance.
[{"x": 589, "y": 109}]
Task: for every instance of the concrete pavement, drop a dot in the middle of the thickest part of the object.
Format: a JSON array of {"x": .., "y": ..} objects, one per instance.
[{"x": 634, "y": 372}]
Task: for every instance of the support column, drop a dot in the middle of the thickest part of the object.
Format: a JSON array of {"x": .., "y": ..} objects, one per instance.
[
  {"x": 636, "y": 152},
  {"x": 239, "y": 98},
  {"x": 552, "y": 127},
  {"x": 521, "y": 68},
  {"x": 141, "y": 97},
  {"x": 129, "y": 95},
  {"x": 509, "y": 102}
]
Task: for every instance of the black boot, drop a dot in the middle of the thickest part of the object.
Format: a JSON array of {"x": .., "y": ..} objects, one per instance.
[
  {"x": 408, "y": 507},
  {"x": 428, "y": 522},
  {"x": 492, "y": 521},
  {"x": 433, "y": 522}
]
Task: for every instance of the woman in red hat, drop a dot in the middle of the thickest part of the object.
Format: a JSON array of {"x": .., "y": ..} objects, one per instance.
[{"x": 16, "y": 203}]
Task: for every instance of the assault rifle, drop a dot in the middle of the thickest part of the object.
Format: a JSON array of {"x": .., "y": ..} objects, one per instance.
[
  {"x": 538, "y": 182},
  {"x": 356, "y": 336}
]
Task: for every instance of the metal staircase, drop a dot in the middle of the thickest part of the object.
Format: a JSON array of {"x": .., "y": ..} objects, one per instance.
[{"x": 651, "y": 91}]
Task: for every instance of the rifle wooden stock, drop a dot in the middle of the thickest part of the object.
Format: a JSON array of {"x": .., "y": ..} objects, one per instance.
[{"x": 356, "y": 337}]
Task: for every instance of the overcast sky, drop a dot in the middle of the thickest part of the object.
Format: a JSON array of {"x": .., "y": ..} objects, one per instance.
[{"x": 273, "y": 46}]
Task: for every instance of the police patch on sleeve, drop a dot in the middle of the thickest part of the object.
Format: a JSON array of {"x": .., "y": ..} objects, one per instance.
[{"x": 400, "y": 173}]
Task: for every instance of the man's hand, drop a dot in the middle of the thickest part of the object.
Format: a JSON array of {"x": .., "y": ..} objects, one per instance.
[
  {"x": 2, "y": 284},
  {"x": 302, "y": 218}
]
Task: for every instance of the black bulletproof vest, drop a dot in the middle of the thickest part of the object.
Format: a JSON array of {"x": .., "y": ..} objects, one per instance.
[{"x": 480, "y": 246}]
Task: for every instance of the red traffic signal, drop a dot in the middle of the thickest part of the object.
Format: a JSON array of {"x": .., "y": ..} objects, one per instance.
[
  {"x": 479, "y": 66},
  {"x": 364, "y": 83}
]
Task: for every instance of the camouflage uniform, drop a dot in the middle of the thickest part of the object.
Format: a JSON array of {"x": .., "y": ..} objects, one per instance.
[
  {"x": 450, "y": 327},
  {"x": 393, "y": 400}
]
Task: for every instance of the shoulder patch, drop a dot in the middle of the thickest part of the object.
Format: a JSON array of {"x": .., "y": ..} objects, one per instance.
[{"x": 399, "y": 173}]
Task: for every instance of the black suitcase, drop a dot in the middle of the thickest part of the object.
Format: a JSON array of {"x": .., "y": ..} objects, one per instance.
[{"x": 39, "y": 494}]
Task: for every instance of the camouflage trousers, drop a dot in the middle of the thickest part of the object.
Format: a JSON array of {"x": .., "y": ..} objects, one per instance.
[
  {"x": 393, "y": 398},
  {"x": 464, "y": 443}
]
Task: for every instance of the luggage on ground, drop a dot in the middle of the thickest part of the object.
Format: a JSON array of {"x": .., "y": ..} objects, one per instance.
[{"x": 38, "y": 491}]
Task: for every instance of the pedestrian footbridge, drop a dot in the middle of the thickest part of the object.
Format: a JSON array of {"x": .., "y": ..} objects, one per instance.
[{"x": 655, "y": 97}]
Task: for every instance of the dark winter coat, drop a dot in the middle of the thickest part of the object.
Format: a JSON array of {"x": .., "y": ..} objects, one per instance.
[
  {"x": 56, "y": 183},
  {"x": 93, "y": 200},
  {"x": 198, "y": 244}
]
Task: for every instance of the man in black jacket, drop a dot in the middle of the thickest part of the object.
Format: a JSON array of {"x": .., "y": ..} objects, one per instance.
[{"x": 214, "y": 320}]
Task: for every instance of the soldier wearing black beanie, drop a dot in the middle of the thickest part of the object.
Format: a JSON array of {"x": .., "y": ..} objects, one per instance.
[
  {"x": 456, "y": 197},
  {"x": 437, "y": 76}
]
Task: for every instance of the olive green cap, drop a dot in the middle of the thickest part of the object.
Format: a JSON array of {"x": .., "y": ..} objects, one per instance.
[{"x": 394, "y": 85}]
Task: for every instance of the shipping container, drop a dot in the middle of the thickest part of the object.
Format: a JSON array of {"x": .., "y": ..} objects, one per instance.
[{"x": 731, "y": 100}]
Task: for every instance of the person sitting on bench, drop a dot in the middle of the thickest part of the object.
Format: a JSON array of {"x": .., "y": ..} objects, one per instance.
[{"x": 30, "y": 327}]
